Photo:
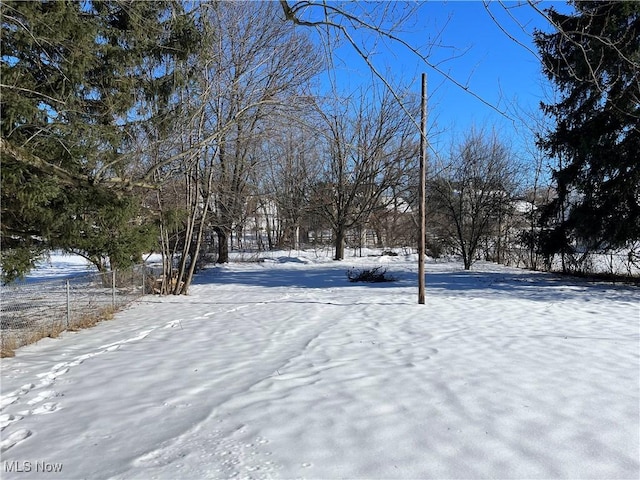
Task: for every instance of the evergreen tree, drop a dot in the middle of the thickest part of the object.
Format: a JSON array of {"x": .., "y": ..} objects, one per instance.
[
  {"x": 594, "y": 60},
  {"x": 76, "y": 79}
]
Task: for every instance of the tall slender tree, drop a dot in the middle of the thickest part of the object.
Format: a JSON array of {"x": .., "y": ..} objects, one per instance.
[
  {"x": 251, "y": 67},
  {"x": 260, "y": 68}
]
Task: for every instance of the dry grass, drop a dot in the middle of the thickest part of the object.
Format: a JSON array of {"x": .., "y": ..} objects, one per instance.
[
  {"x": 30, "y": 313},
  {"x": 8, "y": 345},
  {"x": 11, "y": 341},
  {"x": 89, "y": 320}
]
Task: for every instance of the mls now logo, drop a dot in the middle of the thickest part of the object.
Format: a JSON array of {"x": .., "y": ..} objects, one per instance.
[{"x": 26, "y": 467}]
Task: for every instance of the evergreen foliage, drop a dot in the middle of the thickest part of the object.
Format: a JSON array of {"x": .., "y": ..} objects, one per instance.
[
  {"x": 594, "y": 60},
  {"x": 75, "y": 82}
]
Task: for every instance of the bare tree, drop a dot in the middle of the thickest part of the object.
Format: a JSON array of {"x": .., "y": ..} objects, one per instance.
[
  {"x": 260, "y": 73},
  {"x": 251, "y": 67},
  {"x": 537, "y": 190},
  {"x": 370, "y": 144},
  {"x": 473, "y": 194},
  {"x": 291, "y": 156}
]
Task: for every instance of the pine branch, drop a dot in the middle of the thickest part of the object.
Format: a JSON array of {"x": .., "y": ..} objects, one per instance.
[{"x": 64, "y": 176}]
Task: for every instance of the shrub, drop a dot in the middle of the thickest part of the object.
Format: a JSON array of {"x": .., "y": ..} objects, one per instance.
[{"x": 373, "y": 275}]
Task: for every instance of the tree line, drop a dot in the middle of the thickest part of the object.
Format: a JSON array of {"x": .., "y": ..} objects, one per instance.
[{"x": 131, "y": 127}]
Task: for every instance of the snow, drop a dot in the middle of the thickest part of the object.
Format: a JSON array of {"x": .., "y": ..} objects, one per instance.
[
  {"x": 59, "y": 265},
  {"x": 524, "y": 206},
  {"x": 284, "y": 369}
]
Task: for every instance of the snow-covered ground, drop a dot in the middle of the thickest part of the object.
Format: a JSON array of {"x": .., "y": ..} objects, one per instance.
[
  {"x": 284, "y": 369},
  {"x": 58, "y": 265}
]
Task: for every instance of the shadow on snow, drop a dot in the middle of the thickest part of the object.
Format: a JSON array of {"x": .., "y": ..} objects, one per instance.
[{"x": 523, "y": 284}]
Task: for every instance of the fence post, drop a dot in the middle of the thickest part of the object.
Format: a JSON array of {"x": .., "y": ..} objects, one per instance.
[
  {"x": 113, "y": 288},
  {"x": 144, "y": 275},
  {"x": 68, "y": 304}
]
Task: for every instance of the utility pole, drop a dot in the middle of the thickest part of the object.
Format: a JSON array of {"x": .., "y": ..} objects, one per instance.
[{"x": 423, "y": 190}]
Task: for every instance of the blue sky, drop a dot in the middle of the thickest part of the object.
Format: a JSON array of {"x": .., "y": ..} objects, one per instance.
[{"x": 474, "y": 50}]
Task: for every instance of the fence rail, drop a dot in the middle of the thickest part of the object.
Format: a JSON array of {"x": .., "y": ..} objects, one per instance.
[{"x": 34, "y": 310}]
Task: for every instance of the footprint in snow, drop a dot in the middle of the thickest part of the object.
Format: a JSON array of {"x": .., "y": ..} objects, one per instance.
[
  {"x": 13, "y": 439},
  {"x": 43, "y": 396},
  {"x": 8, "y": 400},
  {"x": 60, "y": 366},
  {"x": 6, "y": 420},
  {"x": 159, "y": 457},
  {"x": 13, "y": 396},
  {"x": 46, "y": 408},
  {"x": 176, "y": 323},
  {"x": 50, "y": 377},
  {"x": 116, "y": 345},
  {"x": 80, "y": 359}
]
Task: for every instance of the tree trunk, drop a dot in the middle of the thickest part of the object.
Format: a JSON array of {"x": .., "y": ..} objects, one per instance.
[
  {"x": 195, "y": 255},
  {"x": 223, "y": 245},
  {"x": 339, "y": 244},
  {"x": 296, "y": 238},
  {"x": 467, "y": 257}
]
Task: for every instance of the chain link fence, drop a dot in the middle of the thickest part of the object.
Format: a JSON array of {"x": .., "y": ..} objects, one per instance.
[{"x": 34, "y": 310}]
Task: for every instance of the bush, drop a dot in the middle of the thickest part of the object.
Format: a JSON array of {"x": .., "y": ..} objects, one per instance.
[{"x": 373, "y": 275}]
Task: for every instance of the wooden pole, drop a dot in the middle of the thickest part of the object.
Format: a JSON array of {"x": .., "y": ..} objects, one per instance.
[
  {"x": 113, "y": 288},
  {"x": 423, "y": 191},
  {"x": 68, "y": 304}
]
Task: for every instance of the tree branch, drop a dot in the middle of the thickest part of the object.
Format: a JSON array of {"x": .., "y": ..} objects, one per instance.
[
  {"x": 290, "y": 13},
  {"x": 64, "y": 176}
]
